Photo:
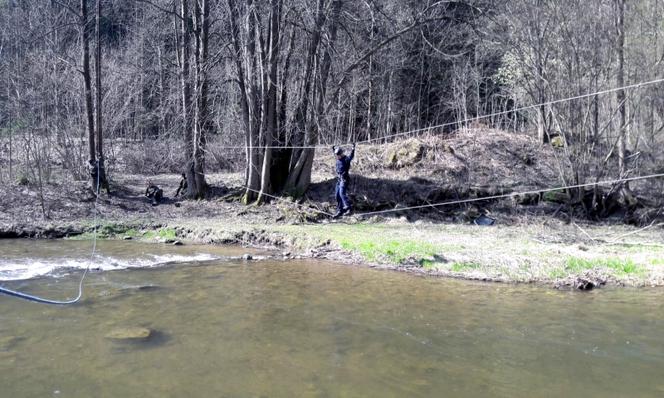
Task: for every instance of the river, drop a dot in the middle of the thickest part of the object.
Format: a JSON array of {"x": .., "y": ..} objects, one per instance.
[{"x": 224, "y": 327}]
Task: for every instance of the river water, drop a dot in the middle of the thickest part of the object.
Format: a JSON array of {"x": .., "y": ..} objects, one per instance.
[{"x": 223, "y": 327}]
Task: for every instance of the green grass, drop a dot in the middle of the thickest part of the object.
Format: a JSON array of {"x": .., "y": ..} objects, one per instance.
[
  {"x": 464, "y": 266},
  {"x": 163, "y": 233},
  {"x": 657, "y": 261},
  {"x": 396, "y": 251},
  {"x": 621, "y": 266},
  {"x": 375, "y": 243},
  {"x": 558, "y": 273}
]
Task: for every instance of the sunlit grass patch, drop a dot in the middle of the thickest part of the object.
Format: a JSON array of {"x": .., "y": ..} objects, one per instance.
[
  {"x": 621, "y": 266},
  {"x": 162, "y": 233},
  {"x": 465, "y": 266},
  {"x": 374, "y": 248}
]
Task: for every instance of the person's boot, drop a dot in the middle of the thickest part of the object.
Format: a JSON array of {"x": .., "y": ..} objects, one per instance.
[
  {"x": 338, "y": 214},
  {"x": 348, "y": 210}
]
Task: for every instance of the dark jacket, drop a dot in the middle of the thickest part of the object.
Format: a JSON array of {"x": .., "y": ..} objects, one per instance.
[
  {"x": 343, "y": 166},
  {"x": 154, "y": 191}
]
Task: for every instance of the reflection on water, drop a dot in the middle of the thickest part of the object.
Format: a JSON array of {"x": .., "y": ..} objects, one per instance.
[{"x": 228, "y": 328}]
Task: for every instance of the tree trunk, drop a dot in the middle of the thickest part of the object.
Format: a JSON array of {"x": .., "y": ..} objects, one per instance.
[
  {"x": 620, "y": 81},
  {"x": 101, "y": 169},
  {"x": 201, "y": 117},
  {"x": 254, "y": 165},
  {"x": 244, "y": 104},
  {"x": 299, "y": 177},
  {"x": 187, "y": 118},
  {"x": 87, "y": 87},
  {"x": 271, "y": 113}
]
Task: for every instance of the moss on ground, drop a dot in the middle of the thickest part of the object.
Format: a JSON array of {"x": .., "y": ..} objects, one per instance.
[{"x": 120, "y": 231}]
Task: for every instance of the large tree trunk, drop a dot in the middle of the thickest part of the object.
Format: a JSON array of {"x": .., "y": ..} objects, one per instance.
[
  {"x": 299, "y": 177},
  {"x": 254, "y": 165},
  {"x": 271, "y": 99}
]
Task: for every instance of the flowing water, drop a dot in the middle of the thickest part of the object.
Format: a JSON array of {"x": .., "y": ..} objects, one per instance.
[{"x": 223, "y": 327}]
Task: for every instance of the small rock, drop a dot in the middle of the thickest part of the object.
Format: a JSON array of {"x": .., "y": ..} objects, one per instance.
[
  {"x": 127, "y": 238},
  {"x": 130, "y": 334},
  {"x": 247, "y": 257},
  {"x": 586, "y": 284},
  {"x": 177, "y": 243},
  {"x": 287, "y": 254}
]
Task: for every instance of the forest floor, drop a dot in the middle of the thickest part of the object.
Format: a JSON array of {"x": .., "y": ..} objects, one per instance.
[{"x": 529, "y": 242}]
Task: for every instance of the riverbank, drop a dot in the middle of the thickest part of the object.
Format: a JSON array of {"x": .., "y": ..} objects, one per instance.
[
  {"x": 545, "y": 252},
  {"x": 537, "y": 238}
]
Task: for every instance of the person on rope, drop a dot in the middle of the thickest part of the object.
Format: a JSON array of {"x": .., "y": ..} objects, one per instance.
[
  {"x": 183, "y": 186},
  {"x": 154, "y": 193},
  {"x": 343, "y": 179}
]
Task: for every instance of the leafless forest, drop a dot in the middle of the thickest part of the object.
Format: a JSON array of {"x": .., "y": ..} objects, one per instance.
[{"x": 253, "y": 86}]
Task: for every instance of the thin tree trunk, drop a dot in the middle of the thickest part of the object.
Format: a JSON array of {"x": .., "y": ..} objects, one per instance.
[
  {"x": 254, "y": 109},
  {"x": 87, "y": 87},
  {"x": 244, "y": 104},
  {"x": 186, "y": 99},
  {"x": 620, "y": 81},
  {"x": 101, "y": 169},
  {"x": 201, "y": 117}
]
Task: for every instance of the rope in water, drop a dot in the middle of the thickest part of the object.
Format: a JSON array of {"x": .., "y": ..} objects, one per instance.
[
  {"x": 41, "y": 300},
  {"x": 464, "y": 121}
]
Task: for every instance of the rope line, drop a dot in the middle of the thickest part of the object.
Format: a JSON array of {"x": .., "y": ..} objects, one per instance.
[
  {"x": 449, "y": 124},
  {"x": 41, "y": 300},
  {"x": 300, "y": 205},
  {"x": 471, "y": 200},
  {"x": 509, "y": 195}
]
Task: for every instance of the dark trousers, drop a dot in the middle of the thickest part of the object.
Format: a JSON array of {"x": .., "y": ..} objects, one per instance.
[{"x": 343, "y": 202}]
